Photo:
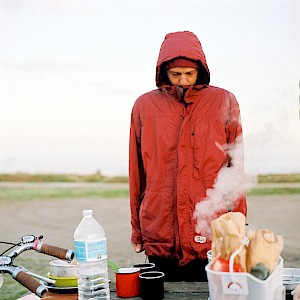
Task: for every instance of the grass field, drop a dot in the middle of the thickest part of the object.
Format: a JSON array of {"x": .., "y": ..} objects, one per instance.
[
  {"x": 29, "y": 194},
  {"x": 27, "y": 177},
  {"x": 278, "y": 178},
  {"x": 32, "y": 193},
  {"x": 98, "y": 177}
]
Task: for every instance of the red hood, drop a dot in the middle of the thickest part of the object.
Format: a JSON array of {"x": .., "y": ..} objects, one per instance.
[{"x": 190, "y": 47}]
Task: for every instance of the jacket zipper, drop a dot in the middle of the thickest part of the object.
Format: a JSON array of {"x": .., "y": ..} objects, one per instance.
[{"x": 175, "y": 205}]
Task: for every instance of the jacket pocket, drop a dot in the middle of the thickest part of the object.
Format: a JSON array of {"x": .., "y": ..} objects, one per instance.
[
  {"x": 156, "y": 216},
  {"x": 208, "y": 155}
]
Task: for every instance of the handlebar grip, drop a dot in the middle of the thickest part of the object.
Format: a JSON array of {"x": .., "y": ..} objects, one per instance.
[
  {"x": 55, "y": 251},
  {"x": 30, "y": 283}
]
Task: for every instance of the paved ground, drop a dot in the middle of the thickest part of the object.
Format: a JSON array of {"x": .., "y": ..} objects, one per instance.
[{"x": 57, "y": 220}]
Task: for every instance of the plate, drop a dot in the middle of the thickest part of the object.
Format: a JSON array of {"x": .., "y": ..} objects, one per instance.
[
  {"x": 291, "y": 278},
  {"x": 60, "y": 290}
]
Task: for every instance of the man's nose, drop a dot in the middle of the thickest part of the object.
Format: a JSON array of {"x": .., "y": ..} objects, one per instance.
[{"x": 183, "y": 80}]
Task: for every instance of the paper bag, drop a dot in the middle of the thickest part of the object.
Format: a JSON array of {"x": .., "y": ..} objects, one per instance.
[
  {"x": 228, "y": 232},
  {"x": 264, "y": 248}
]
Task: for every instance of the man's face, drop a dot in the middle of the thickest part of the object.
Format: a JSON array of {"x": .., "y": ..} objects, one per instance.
[{"x": 182, "y": 76}]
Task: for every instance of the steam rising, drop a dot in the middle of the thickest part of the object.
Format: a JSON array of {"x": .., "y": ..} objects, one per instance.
[{"x": 228, "y": 187}]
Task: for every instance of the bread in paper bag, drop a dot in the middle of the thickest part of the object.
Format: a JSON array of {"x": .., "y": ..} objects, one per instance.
[
  {"x": 228, "y": 232},
  {"x": 264, "y": 249}
]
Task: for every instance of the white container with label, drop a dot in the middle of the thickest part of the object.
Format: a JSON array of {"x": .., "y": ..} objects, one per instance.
[{"x": 91, "y": 255}]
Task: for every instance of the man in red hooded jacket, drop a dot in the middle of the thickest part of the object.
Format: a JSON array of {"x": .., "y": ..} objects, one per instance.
[{"x": 179, "y": 139}]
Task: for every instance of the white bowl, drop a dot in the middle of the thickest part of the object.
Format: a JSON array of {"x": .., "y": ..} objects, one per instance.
[{"x": 63, "y": 269}]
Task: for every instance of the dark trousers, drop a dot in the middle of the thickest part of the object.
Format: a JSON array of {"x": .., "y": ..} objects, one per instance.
[{"x": 192, "y": 271}]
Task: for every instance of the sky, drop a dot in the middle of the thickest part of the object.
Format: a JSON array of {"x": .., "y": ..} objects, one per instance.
[{"x": 70, "y": 71}]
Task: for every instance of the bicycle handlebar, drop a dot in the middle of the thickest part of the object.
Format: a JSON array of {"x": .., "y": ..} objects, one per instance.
[
  {"x": 30, "y": 283},
  {"x": 19, "y": 274},
  {"x": 32, "y": 242},
  {"x": 54, "y": 251}
]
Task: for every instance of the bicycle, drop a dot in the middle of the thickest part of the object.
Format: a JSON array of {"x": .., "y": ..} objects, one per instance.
[{"x": 20, "y": 274}]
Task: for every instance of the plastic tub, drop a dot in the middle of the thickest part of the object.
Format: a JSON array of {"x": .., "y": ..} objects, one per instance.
[{"x": 244, "y": 286}]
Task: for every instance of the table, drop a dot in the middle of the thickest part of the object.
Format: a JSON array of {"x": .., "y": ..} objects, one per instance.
[{"x": 173, "y": 290}]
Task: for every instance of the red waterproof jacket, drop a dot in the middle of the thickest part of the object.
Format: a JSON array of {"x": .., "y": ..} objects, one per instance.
[{"x": 174, "y": 157}]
